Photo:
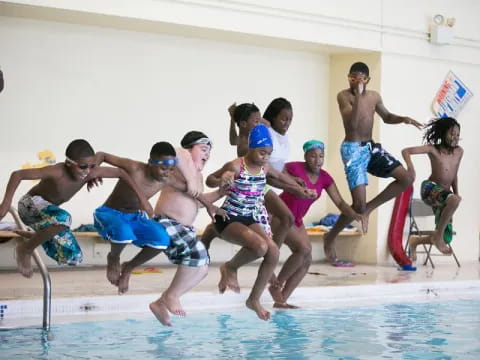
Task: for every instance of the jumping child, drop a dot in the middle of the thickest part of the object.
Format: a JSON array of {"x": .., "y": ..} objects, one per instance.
[
  {"x": 440, "y": 190},
  {"x": 40, "y": 210},
  {"x": 247, "y": 177}
]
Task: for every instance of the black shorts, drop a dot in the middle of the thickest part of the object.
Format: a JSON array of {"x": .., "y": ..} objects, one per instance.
[
  {"x": 381, "y": 163},
  {"x": 221, "y": 224}
]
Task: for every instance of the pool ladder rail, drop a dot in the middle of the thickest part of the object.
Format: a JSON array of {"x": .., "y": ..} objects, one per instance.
[{"x": 47, "y": 287}]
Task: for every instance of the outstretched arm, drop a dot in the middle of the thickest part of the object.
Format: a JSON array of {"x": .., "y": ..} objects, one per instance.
[
  {"x": 113, "y": 172},
  {"x": 337, "y": 199},
  {"x": 287, "y": 183},
  {"x": 27, "y": 174},
  {"x": 389, "y": 118},
  {"x": 414, "y": 150},
  {"x": 223, "y": 176}
]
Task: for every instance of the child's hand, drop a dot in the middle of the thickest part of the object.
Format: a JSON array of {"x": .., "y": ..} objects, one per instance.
[
  {"x": 215, "y": 210},
  {"x": 96, "y": 182},
  {"x": 410, "y": 121},
  {"x": 227, "y": 178},
  {"x": 231, "y": 109},
  {"x": 311, "y": 193},
  {"x": 147, "y": 207},
  {"x": 299, "y": 181},
  {"x": 363, "y": 220},
  {"x": 411, "y": 172}
]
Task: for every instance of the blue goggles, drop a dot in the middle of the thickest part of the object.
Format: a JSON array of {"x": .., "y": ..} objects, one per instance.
[{"x": 166, "y": 162}]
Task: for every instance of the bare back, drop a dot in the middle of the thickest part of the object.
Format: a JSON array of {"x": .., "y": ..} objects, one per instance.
[
  {"x": 444, "y": 166},
  {"x": 360, "y": 130},
  {"x": 179, "y": 205},
  {"x": 123, "y": 197}
]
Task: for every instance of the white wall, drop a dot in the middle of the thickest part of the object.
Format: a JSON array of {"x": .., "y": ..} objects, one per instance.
[
  {"x": 125, "y": 90},
  {"x": 414, "y": 98},
  {"x": 71, "y": 76}
]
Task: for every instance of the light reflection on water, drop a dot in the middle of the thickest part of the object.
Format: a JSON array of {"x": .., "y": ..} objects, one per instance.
[{"x": 439, "y": 330}]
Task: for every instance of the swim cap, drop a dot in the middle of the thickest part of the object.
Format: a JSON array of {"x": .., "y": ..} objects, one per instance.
[
  {"x": 313, "y": 144},
  {"x": 259, "y": 137},
  {"x": 193, "y": 138}
]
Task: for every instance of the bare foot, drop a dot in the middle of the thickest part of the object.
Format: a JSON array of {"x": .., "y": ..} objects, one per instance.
[
  {"x": 284, "y": 305},
  {"x": 228, "y": 280},
  {"x": 329, "y": 249},
  {"x": 441, "y": 244},
  {"x": 173, "y": 305},
  {"x": 124, "y": 279},
  {"x": 413, "y": 242},
  {"x": 276, "y": 293},
  {"x": 24, "y": 260},
  {"x": 113, "y": 269},
  {"x": 255, "y": 306},
  {"x": 159, "y": 309},
  {"x": 25, "y": 234}
]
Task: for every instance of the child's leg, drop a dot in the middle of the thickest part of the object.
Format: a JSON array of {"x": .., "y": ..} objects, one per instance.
[
  {"x": 185, "y": 279},
  {"x": 24, "y": 249},
  {"x": 358, "y": 204},
  {"x": 113, "y": 262},
  {"x": 147, "y": 253},
  {"x": 402, "y": 181},
  {"x": 446, "y": 216},
  {"x": 253, "y": 246},
  {"x": 296, "y": 265},
  {"x": 265, "y": 271},
  {"x": 279, "y": 210},
  {"x": 208, "y": 235}
]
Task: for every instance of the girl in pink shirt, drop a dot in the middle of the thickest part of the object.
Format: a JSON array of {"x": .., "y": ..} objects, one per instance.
[{"x": 310, "y": 171}]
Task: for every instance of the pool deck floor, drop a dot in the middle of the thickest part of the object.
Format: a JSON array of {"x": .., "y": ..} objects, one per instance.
[{"x": 81, "y": 282}]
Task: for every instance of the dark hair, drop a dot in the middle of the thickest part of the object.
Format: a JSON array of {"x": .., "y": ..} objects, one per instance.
[
  {"x": 79, "y": 149},
  {"x": 436, "y": 131},
  {"x": 243, "y": 111},
  {"x": 190, "y": 137},
  {"x": 162, "y": 148},
  {"x": 360, "y": 67},
  {"x": 275, "y": 107}
]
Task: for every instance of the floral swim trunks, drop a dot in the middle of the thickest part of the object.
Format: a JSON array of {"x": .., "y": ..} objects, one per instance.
[
  {"x": 436, "y": 196},
  {"x": 39, "y": 214}
]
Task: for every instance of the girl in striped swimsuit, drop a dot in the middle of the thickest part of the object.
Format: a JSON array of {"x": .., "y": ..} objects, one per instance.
[{"x": 247, "y": 177}]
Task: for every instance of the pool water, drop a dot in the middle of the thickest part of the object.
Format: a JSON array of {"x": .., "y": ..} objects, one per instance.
[{"x": 436, "y": 330}]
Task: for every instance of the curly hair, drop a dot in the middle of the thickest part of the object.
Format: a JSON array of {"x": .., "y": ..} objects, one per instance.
[{"x": 436, "y": 132}]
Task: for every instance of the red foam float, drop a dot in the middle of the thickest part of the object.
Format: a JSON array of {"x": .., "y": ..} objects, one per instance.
[{"x": 395, "y": 231}]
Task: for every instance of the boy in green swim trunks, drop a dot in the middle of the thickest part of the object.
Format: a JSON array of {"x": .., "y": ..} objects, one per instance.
[
  {"x": 40, "y": 207},
  {"x": 440, "y": 190}
]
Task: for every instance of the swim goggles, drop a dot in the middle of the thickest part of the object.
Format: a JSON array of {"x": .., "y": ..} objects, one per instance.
[
  {"x": 82, "y": 166},
  {"x": 166, "y": 162}
]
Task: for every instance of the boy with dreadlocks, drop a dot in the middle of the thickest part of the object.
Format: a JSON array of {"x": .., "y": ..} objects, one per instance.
[{"x": 440, "y": 190}]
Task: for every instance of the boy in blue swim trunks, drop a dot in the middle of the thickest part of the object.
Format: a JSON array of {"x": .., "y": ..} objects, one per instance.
[
  {"x": 121, "y": 221},
  {"x": 360, "y": 154},
  {"x": 440, "y": 190},
  {"x": 40, "y": 210}
]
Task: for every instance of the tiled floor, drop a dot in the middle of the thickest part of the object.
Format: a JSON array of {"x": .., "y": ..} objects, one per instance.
[{"x": 92, "y": 282}]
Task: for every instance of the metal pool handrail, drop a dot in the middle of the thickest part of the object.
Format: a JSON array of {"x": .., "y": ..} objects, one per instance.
[{"x": 47, "y": 287}]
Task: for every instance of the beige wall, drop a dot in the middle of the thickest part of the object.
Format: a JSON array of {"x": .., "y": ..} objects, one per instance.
[{"x": 365, "y": 249}]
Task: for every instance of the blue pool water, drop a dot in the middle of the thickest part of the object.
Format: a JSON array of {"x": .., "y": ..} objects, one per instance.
[{"x": 437, "y": 330}]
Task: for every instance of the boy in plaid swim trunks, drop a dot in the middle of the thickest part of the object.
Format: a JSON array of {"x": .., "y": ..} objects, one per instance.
[
  {"x": 176, "y": 211},
  {"x": 440, "y": 190},
  {"x": 40, "y": 210},
  {"x": 361, "y": 155}
]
